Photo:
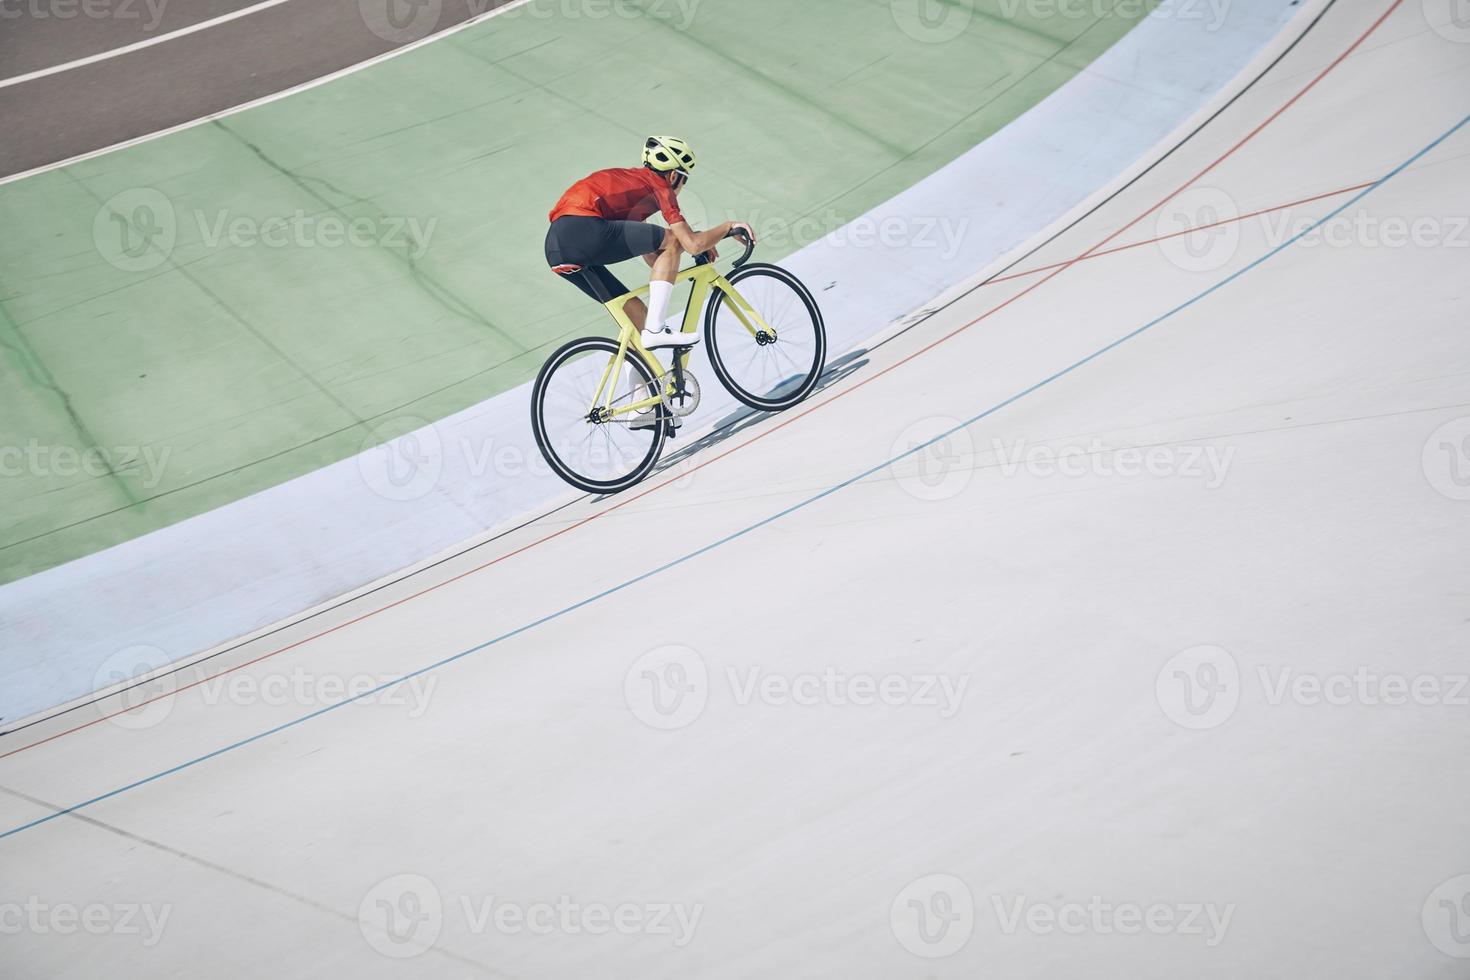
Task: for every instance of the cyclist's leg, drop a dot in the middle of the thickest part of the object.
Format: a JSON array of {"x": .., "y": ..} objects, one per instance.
[
  {"x": 660, "y": 248},
  {"x": 661, "y": 281},
  {"x": 595, "y": 244},
  {"x": 597, "y": 282},
  {"x": 626, "y": 240},
  {"x": 600, "y": 284}
]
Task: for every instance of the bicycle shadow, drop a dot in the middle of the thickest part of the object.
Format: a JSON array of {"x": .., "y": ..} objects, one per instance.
[{"x": 744, "y": 418}]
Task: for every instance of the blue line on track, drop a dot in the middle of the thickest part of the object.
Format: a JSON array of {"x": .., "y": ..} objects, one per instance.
[{"x": 774, "y": 517}]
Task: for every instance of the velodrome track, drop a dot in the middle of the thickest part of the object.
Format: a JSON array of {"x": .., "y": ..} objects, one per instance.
[
  {"x": 1296, "y": 517},
  {"x": 76, "y": 84}
]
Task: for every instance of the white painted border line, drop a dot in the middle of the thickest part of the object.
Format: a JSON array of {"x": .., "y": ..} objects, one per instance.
[
  {"x": 92, "y": 59},
  {"x": 264, "y": 100}
]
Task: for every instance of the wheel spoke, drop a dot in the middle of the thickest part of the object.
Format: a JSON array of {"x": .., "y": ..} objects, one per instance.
[
  {"x": 596, "y": 456},
  {"x": 774, "y": 375}
]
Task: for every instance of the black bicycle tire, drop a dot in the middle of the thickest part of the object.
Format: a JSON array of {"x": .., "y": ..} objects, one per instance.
[
  {"x": 808, "y": 384},
  {"x": 543, "y": 443}
]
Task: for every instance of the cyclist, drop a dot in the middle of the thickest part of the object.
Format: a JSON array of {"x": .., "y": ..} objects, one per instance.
[{"x": 600, "y": 221}]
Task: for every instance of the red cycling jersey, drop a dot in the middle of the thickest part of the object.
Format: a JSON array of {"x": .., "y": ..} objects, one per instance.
[{"x": 621, "y": 194}]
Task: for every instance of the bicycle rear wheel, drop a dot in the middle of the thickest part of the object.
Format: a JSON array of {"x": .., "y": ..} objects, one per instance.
[
  {"x": 765, "y": 372},
  {"x": 590, "y": 452}
]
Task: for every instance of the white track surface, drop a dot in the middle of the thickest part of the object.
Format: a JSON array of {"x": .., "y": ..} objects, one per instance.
[
  {"x": 1060, "y": 600},
  {"x": 233, "y": 570}
]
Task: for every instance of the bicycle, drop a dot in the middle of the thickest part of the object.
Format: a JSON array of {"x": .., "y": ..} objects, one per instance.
[{"x": 602, "y": 409}]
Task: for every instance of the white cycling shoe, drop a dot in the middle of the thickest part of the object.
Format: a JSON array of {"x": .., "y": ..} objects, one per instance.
[{"x": 667, "y": 336}]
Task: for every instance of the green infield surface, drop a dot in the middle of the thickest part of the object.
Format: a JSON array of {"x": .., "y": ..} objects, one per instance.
[{"x": 205, "y": 315}]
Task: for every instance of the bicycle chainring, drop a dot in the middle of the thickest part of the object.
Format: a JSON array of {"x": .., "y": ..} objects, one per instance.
[{"x": 683, "y": 403}]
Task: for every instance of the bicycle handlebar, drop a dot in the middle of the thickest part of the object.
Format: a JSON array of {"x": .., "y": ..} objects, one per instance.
[
  {"x": 749, "y": 245},
  {"x": 736, "y": 233}
]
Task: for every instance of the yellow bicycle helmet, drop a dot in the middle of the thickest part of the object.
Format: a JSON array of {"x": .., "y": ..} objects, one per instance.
[{"x": 666, "y": 153}]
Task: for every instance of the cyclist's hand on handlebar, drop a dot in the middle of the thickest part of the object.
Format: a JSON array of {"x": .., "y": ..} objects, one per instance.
[{"x": 739, "y": 229}]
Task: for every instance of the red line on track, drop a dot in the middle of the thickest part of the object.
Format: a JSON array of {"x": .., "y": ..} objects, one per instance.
[
  {"x": 1163, "y": 238},
  {"x": 1053, "y": 272}
]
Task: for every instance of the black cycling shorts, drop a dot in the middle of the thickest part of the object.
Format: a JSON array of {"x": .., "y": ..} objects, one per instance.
[{"x": 595, "y": 244}]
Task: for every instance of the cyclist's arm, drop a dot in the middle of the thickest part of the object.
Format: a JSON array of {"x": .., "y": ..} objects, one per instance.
[{"x": 698, "y": 242}]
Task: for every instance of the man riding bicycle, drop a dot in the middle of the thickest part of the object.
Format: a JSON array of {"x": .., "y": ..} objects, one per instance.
[{"x": 600, "y": 221}]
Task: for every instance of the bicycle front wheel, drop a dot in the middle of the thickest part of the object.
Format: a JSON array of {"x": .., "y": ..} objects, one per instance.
[
  {"x": 587, "y": 448},
  {"x": 769, "y": 371}
]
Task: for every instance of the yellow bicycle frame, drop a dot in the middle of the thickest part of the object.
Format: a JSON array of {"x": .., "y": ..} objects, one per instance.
[{"x": 704, "y": 278}]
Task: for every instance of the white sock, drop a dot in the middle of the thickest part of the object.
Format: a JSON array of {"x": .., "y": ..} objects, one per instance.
[{"x": 659, "y": 294}]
